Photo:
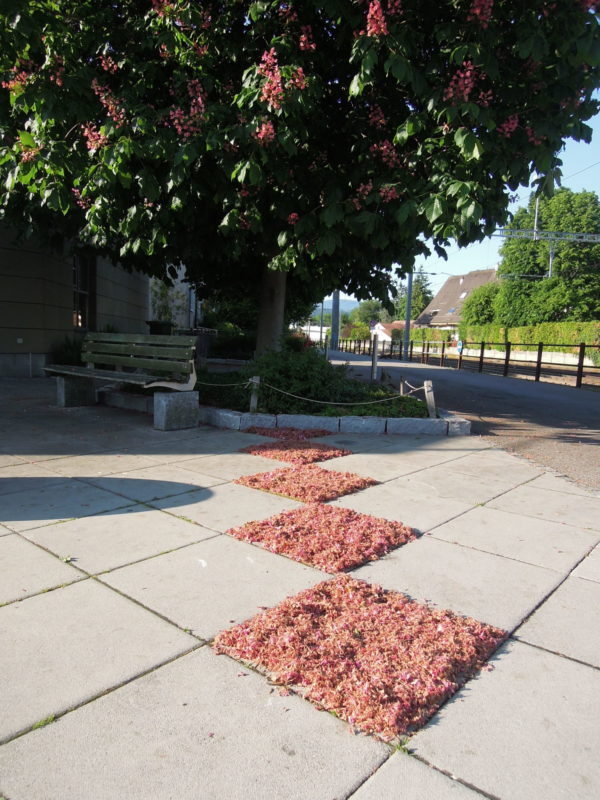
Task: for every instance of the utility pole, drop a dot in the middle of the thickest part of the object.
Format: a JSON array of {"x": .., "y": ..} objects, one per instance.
[
  {"x": 406, "y": 345},
  {"x": 335, "y": 320}
]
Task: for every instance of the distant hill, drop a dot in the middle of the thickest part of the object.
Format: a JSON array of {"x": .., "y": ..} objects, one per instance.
[{"x": 345, "y": 307}]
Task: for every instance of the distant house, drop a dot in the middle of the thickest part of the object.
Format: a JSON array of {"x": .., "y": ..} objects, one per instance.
[
  {"x": 384, "y": 330},
  {"x": 445, "y": 308}
]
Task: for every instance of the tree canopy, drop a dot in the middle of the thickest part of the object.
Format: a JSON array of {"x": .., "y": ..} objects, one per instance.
[
  {"x": 422, "y": 295},
  {"x": 528, "y": 294},
  {"x": 327, "y": 140}
]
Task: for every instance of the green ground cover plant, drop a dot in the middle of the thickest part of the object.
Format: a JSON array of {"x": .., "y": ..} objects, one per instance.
[{"x": 305, "y": 377}]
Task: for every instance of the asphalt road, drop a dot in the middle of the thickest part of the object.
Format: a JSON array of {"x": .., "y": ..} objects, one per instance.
[{"x": 555, "y": 426}]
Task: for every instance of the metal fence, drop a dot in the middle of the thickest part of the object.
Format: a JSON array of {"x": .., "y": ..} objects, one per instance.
[{"x": 573, "y": 365}]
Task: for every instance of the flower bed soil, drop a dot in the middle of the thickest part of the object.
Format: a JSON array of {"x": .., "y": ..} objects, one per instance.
[
  {"x": 326, "y": 537},
  {"x": 378, "y": 660},
  {"x": 307, "y": 483},
  {"x": 295, "y": 451}
]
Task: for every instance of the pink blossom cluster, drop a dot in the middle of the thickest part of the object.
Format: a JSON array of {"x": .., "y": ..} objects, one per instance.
[
  {"x": 21, "y": 74},
  {"x": 162, "y": 7},
  {"x": 388, "y": 154},
  {"x": 462, "y": 83},
  {"x": 377, "y": 117},
  {"x": 189, "y": 124},
  {"x": 81, "y": 201},
  {"x": 201, "y": 50},
  {"x": 307, "y": 483},
  {"x": 326, "y": 537},
  {"x": 298, "y": 79},
  {"x": 287, "y": 13},
  {"x": 164, "y": 51},
  {"x": 394, "y": 7},
  {"x": 534, "y": 138},
  {"x": 292, "y": 220},
  {"x": 509, "y": 126},
  {"x": 94, "y": 139},
  {"x": 388, "y": 193},
  {"x": 306, "y": 41},
  {"x": 272, "y": 91},
  {"x": 59, "y": 70},
  {"x": 29, "y": 155},
  {"x": 376, "y": 24},
  {"x": 265, "y": 134},
  {"x": 481, "y": 12},
  {"x": 485, "y": 97},
  {"x": 108, "y": 64},
  {"x": 379, "y": 660},
  {"x": 365, "y": 189},
  {"x": 113, "y": 105}
]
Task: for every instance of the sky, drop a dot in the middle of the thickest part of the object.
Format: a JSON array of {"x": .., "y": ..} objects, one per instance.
[{"x": 581, "y": 170}]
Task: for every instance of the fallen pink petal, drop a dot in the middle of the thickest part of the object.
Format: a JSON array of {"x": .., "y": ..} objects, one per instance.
[
  {"x": 380, "y": 661},
  {"x": 288, "y": 433},
  {"x": 308, "y": 483},
  {"x": 326, "y": 537},
  {"x": 296, "y": 451}
]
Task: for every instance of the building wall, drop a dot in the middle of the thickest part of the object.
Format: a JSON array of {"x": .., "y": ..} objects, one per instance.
[{"x": 36, "y": 303}]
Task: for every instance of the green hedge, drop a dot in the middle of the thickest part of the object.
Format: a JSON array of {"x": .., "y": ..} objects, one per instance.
[
  {"x": 430, "y": 335},
  {"x": 567, "y": 334}
]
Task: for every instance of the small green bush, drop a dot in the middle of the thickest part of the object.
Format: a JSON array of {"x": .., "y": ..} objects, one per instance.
[{"x": 304, "y": 376}]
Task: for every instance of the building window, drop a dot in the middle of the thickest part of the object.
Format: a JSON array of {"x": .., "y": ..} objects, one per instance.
[{"x": 84, "y": 291}]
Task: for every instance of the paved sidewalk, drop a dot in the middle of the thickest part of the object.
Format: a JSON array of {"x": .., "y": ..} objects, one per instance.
[{"x": 116, "y": 573}]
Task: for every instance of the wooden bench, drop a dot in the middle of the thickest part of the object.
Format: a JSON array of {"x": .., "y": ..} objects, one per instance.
[{"x": 141, "y": 360}]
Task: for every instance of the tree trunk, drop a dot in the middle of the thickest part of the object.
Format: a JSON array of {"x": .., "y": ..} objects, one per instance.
[{"x": 272, "y": 307}]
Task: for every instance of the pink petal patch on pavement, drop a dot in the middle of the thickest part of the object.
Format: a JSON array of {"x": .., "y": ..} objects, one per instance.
[
  {"x": 295, "y": 451},
  {"x": 379, "y": 660},
  {"x": 288, "y": 433},
  {"x": 326, "y": 537},
  {"x": 307, "y": 483}
]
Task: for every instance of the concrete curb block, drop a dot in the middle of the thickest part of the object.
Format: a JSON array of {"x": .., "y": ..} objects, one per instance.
[{"x": 446, "y": 425}]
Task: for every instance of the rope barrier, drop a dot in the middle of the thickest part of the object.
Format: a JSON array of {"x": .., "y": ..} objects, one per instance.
[
  {"x": 245, "y": 383},
  {"x": 329, "y": 402}
]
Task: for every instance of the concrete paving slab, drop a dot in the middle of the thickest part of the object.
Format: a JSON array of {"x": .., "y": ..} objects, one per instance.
[
  {"x": 489, "y": 588},
  {"x": 582, "y": 512},
  {"x": 199, "y": 727},
  {"x": 23, "y": 511},
  {"x": 590, "y": 566},
  {"x": 394, "y": 500},
  {"x": 8, "y": 460},
  {"x": 403, "y": 777},
  {"x": 96, "y": 464},
  {"x": 535, "y": 541},
  {"x": 496, "y": 465},
  {"x": 528, "y": 729},
  {"x": 557, "y": 483},
  {"x": 69, "y": 645},
  {"x": 111, "y": 540},
  {"x": 442, "y": 482},
  {"x": 153, "y": 483},
  {"x": 568, "y": 622},
  {"x": 210, "y": 586},
  {"x": 27, "y": 570},
  {"x": 4, "y": 531},
  {"x": 229, "y": 466},
  {"x": 210, "y": 442},
  {"x": 26, "y": 478},
  {"x": 225, "y": 506}
]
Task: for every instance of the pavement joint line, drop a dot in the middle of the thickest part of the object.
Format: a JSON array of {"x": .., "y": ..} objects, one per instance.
[
  {"x": 547, "y": 596},
  {"x": 89, "y": 482},
  {"x": 72, "y": 519},
  {"x": 533, "y": 516},
  {"x": 59, "y": 714},
  {"x": 361, "y": 783},
  {"x": 152, "y": 611},
  {"x": 595, "y": 667}
]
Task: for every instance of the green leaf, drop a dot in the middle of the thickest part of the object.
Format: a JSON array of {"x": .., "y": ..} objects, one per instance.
[
  {"x": 26, "y": 139},
  {"x": 332, "y": 214},
  {"x": 356, "y": 86},
  {"x": 434, "y": 207}
]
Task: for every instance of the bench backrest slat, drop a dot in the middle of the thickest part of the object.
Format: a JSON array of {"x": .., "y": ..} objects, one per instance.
[
  {"x": 174, "y": 341},
  {"x": 155, "y": 354},
  {"x": 140, "y": 350}
]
